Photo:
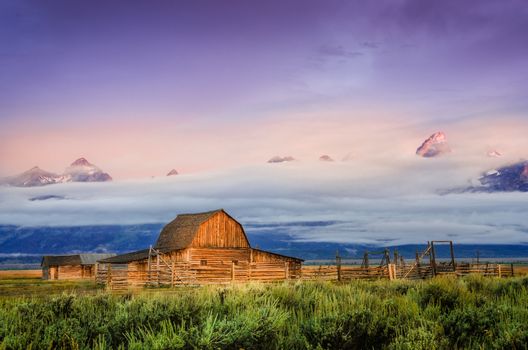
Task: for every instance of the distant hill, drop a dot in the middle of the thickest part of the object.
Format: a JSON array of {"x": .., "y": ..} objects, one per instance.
[{"x": 27, "y": 244}]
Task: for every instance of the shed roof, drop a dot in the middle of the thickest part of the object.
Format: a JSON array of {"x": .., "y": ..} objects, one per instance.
[
  {"x": 277, "y": 254},
  {"x": 128, "y": 257},
  {"x": 179, "y": 233},
  {"x": 75, "y": 259}
]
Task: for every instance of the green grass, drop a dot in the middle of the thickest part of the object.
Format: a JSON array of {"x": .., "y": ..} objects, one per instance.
[{"x": 444, "y": 313}]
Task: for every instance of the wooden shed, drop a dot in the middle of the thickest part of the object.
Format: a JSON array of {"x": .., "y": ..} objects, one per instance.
[
  {"x": 78, "y": 266},
  {"x": 201, "y": 248}
]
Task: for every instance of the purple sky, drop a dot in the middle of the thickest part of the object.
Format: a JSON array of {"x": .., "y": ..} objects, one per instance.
[{"x": 185, "y": 83}]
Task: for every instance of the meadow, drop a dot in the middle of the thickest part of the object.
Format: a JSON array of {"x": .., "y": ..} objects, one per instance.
[{"x": 444, "y": 313}]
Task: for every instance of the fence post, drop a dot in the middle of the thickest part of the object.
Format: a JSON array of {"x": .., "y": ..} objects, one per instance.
[
  {"x": 172, "y": 272},
  {"x": 452, "y": 251},
  {"x": 158, "y": 268},
  {"x": 109, "y": 276},
  {"x": 433, "y": 258},
  {"x": 499, "y": 270},
  {"x": 389, "y": 271},
  {"x": 338, "y": 264},
  {"x": 149, "y": 276},
  {"x": 513, "y": 275}
]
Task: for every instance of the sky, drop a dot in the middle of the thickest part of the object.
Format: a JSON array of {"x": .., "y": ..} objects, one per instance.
[
  {"x": 139, "y": 88},
  {"x": 216, "y": 88}
]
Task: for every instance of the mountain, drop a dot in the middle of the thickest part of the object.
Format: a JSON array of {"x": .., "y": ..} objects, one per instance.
[
  {"x": 83, "y": 171},
  {"x": 278, "y": 159},
  {"x": 325, "y": 158},
  {"x": 508, "y": 178},
  {"x": 436, "y": 145},
  {"x": 32, "y": 177},
  {"x": 79, "y": 171},
  {"x": 172, "y": 172}
]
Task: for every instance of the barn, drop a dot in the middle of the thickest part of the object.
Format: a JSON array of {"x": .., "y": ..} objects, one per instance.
[
  {"x": 201, "y": 248},
  {"x": 78, "y": 266}
]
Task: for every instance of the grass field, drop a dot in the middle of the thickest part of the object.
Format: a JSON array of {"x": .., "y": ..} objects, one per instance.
[
  {"x": 14, "y": 274},
  {"x": 28, "y": 283},
  {"x": 444, "y": 313}
]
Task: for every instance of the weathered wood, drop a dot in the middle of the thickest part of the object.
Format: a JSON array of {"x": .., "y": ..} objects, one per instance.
[{"x": 220, "y": 231}]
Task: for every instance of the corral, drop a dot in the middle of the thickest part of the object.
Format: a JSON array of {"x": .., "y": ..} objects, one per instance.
[{"x": 425, "y": 265}]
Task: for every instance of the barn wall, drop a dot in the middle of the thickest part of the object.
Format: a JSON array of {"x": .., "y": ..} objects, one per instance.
[
  {"x": 219, "y": 265},
  {"x": 220, "y": 231}
]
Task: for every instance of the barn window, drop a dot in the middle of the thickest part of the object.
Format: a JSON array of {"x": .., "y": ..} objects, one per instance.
[{"x": 203, "y": 262}]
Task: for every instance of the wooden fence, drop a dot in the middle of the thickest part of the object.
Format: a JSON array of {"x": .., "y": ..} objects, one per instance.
[{"x": 345, "y": 273}]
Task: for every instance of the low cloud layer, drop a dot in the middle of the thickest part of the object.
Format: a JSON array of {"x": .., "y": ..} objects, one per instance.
[{"x": 374, "y": 203}]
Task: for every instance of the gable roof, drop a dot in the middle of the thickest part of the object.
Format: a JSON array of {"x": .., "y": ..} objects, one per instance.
[
  {"x": 76, "y": 259},
  {"x": 180, "y": 232}
]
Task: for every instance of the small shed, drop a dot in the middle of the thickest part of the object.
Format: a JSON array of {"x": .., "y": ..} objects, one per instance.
[
  {"x": 78, "y": 266},
  {"x": 199, "y": 248}
]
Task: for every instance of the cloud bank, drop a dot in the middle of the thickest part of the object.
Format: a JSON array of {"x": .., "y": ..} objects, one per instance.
[{"x": 364, "y": 202}]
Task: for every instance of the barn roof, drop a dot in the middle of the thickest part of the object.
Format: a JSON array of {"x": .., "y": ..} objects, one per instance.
[
  {"x": 75, "y": 259},
  {"x": 179, "y": 233}
]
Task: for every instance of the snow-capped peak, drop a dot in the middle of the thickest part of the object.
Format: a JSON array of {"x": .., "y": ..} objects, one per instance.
[
  {"x": 81, "y": 162},
  {"x": 434, "y": 146},
  {"x": 83, "y": 171}
]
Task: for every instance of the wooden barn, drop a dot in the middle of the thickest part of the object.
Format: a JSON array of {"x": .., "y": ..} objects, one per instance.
[
  {"x": 79, "y": 266},
  {"x": 201, "y": 248}
]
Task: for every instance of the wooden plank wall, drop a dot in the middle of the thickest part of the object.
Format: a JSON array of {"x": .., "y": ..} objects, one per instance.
[
  {"x": 45, "y": 273},
  {"x": 70, "y": 272},
  {"x": 273, "y": 267},
  {"x": 219, "y": 265},
  {"x": 220, "y": 231}
]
